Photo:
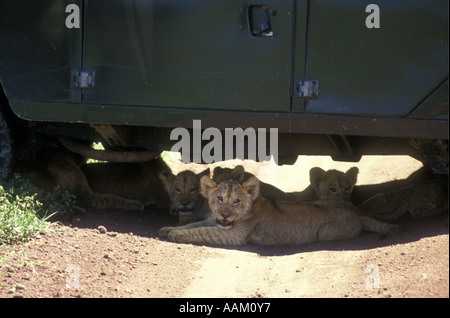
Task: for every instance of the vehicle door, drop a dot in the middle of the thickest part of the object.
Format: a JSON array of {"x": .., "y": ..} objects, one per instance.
[
  {"x": 374, "y": 60},
  {"x": 199, "y": 54}
]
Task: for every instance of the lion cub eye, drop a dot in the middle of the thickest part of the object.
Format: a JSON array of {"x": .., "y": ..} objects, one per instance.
[
  {"x": 332, "y": 189},
  {"x": 193, "y": 190},
  {"x": 236, "y": 202},
  {"x": 177, "y": 190},
  {"x": 220, "y": 199}
]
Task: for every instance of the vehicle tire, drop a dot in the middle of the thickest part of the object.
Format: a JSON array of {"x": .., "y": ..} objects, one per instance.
[{"x": 5, "y": 149}]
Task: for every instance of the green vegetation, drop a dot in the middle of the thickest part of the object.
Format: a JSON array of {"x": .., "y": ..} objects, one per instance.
[
  {"x": 96, "y": 146},
  {"x": 171, "y": 157},
  {"x": 26, "y": 211}
]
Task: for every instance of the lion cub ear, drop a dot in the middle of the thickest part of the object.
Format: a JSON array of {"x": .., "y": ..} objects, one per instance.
[
  {"x": 166, "y": 177},
  {"x": 315, "y": 175},
  {"x": 251, "y": 186},
  {"x": 352, "y": 175},
  {"x": 207, "y": 185},
  {"x": 205, "y": 172},
  {"x": 238, "y": 173}
]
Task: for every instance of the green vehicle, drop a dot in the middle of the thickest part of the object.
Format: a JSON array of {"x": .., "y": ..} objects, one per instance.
[{"x": 342, "y": 78}]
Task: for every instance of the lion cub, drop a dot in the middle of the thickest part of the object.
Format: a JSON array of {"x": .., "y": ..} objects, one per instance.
[
  {"x": 240, "y": 215},
  {"x": 135, "y": 181},
  {"x": 185, "y": 197},
  {"x": 420, "y": 200},
  {"x": 330, "y": 184},
  {"x": 63, "y": 169}
]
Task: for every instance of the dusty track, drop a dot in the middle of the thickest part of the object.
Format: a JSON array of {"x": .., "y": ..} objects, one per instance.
[{"x": 130, "y": 260}]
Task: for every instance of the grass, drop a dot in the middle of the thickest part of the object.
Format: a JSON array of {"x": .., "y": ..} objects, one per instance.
[
  {"x": 26, "y": 211},
  {"x": 171, "y": 157}
]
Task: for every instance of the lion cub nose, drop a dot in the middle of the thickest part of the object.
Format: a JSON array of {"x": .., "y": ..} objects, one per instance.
[{"x": 225, "y": 214}]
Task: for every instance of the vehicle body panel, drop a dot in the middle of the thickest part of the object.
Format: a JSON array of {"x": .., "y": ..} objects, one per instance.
[
  {"x": 435, "y": 106},
  {"x": 187, "y": 54},
  {"x": 36, "y": 53},
  {"x": 384, "y": 71},
  {"x": 164, "y": 63}
]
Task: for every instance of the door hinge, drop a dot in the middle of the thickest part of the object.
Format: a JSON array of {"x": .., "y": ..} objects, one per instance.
[
  {"x": 306, "y": 88},
  {"x": 82, "y": 79}
]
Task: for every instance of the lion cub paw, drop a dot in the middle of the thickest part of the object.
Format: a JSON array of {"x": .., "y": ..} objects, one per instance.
[
  {"x": 176, "y": 236},
  {"x": 164, "y": 231}
]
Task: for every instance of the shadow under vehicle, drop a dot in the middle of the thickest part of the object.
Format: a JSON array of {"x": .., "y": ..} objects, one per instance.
[{"x": 337, "y": 78}]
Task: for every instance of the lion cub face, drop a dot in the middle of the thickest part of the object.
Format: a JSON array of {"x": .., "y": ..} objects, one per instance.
[
  {"x": 230, "y": 200},
  {"x": 183, "y": 189},
  {"x": 333, "y": 184}
]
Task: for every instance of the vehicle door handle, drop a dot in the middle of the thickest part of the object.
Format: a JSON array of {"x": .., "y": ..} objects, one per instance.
[{"x": 259, "y": 21}]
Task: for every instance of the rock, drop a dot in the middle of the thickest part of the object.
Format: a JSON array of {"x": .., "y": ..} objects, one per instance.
[{"x": 102, "y": 229}]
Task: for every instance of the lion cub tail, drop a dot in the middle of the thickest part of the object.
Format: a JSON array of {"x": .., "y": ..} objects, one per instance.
[
  {"x": 373, "y": 225},
  {"x": 102, "y": 201}
]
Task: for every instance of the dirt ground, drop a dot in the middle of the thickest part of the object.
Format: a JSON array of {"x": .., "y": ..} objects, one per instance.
[{"x": 119, "y": 254}]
